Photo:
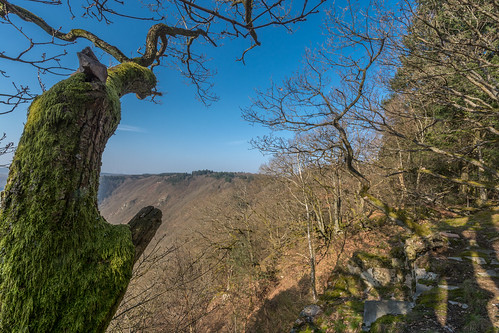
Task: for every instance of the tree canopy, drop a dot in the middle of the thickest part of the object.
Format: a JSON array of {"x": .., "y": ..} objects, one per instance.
[{"x": 175, "y": 27}]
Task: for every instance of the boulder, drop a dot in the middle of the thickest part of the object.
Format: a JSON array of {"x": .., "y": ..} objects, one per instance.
[
  {"x": 310, "y": 312},
  {"x": 377, "y": 309}
]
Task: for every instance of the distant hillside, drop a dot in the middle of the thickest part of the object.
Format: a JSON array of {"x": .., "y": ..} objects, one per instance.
[
  {"x": 180, "y": 196},
  {"x": 109, "y": 182},
  {"x": 222, "y": 247}
]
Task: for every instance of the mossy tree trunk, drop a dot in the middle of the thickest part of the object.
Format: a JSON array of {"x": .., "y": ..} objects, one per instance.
[{"x": 63, "y": 268}]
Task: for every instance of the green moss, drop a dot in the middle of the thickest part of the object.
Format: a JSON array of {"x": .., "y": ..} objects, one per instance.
[
  {"x": 129, "y": 77},
  {"x": 427, "y": 282},
  {"x": 342, "y": 285},
  {"x": 457, "y": 222},
  {"x": 63, "y": 268},
  {"x": 474, "y": 254},
  {"x": 343, "y": 317},
  {"x": 350, "y": 314},
  {"x": 368, "y": 260},
  {"x": 478, "y": 221},
  {"x": 310, "y": 329},
  {"x": 389, "y": 324},
  {"x": 400, "y": 216},
  {"x": 435, "y": 299},
  {"x": 340, "y": 326},
  {"x": 396, "y": 290}
]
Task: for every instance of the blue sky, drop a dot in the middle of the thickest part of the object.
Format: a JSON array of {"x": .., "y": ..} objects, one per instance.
[{"x": 179, "y": 134}]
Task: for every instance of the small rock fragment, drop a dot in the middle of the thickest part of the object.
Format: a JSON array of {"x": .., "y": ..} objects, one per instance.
[
  {"x": 462, "y": 305},
  {"x": 447, "y": 287},
  {"x": 310, "y": 312},
  {"x": 449, "y": 234}
]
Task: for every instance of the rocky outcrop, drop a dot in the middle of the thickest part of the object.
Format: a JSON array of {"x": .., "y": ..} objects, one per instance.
[
  {"x": 307, "y": 315},
  {"x": 445, "y": 282},
  {"x": 377, "y": 309}
]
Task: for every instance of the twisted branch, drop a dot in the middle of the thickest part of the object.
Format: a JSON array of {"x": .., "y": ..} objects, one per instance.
[{"x": 157, "y": 32}]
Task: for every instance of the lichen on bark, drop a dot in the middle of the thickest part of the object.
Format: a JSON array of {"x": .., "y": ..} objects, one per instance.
[{"x": 63, "y": 268}]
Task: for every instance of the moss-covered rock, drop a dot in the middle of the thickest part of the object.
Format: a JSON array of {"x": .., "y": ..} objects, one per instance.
[
  {"x": 368, "y": 260},
  {"x": 416, "y": 246},
  {"x": 342, "y": 285},
  {"x": 389, "y": 324}
]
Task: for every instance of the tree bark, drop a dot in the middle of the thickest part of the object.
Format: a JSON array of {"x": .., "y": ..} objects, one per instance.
[
  {"x": 63, "y": 268},
  {"x": 143, "y": 227}
]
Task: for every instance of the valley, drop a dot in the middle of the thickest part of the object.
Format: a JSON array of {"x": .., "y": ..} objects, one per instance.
[{"x": 231, "y": 255}]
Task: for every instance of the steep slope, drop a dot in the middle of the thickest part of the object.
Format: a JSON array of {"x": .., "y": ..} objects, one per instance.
[
  {"x": 237, "y": 262},
  {"x": 181, "y": 197}
]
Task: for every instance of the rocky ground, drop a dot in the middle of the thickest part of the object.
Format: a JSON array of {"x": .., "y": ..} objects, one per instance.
[{"x": 447, "y": 282}]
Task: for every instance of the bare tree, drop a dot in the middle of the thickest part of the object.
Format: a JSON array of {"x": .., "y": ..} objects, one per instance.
[
  {"x": 170, "y": 290},
  {"x": 246, "y": 237},
  {"x": 293, "y": 170},
  {"x": 185, "y": 21},
  {"x": 332, "y": 116},
  {"x": 436, "y": 96}
]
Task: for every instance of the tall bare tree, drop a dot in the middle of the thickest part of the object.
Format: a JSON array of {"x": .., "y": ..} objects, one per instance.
[
  {"x": 435, "y": 58},
  {"x": 332, "y": 115}
]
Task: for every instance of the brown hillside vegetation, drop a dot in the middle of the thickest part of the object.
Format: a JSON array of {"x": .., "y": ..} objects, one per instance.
[
  {"x": 225, "y": 251},
  {"x": 231, "y": 254},
  {"x": 232, "y": 257},
  {"x": 179, "y": 196}
]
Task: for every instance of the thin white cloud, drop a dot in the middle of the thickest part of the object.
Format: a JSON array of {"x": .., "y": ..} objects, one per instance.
[{"x": 129, "y": 128}]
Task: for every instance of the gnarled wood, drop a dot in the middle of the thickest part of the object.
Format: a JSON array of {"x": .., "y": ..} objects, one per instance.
[
  {"x": 63, "y": 268},
  {"x": 143, "y": 227}
]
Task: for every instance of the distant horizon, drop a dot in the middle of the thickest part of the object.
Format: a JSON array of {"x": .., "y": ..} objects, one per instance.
[
  {"x": 174, "y": 172},
  {"x": 5, "y": 170}
]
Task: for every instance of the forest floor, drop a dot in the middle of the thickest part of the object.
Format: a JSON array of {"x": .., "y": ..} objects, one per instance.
[{"x": 457, "y": 288}]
